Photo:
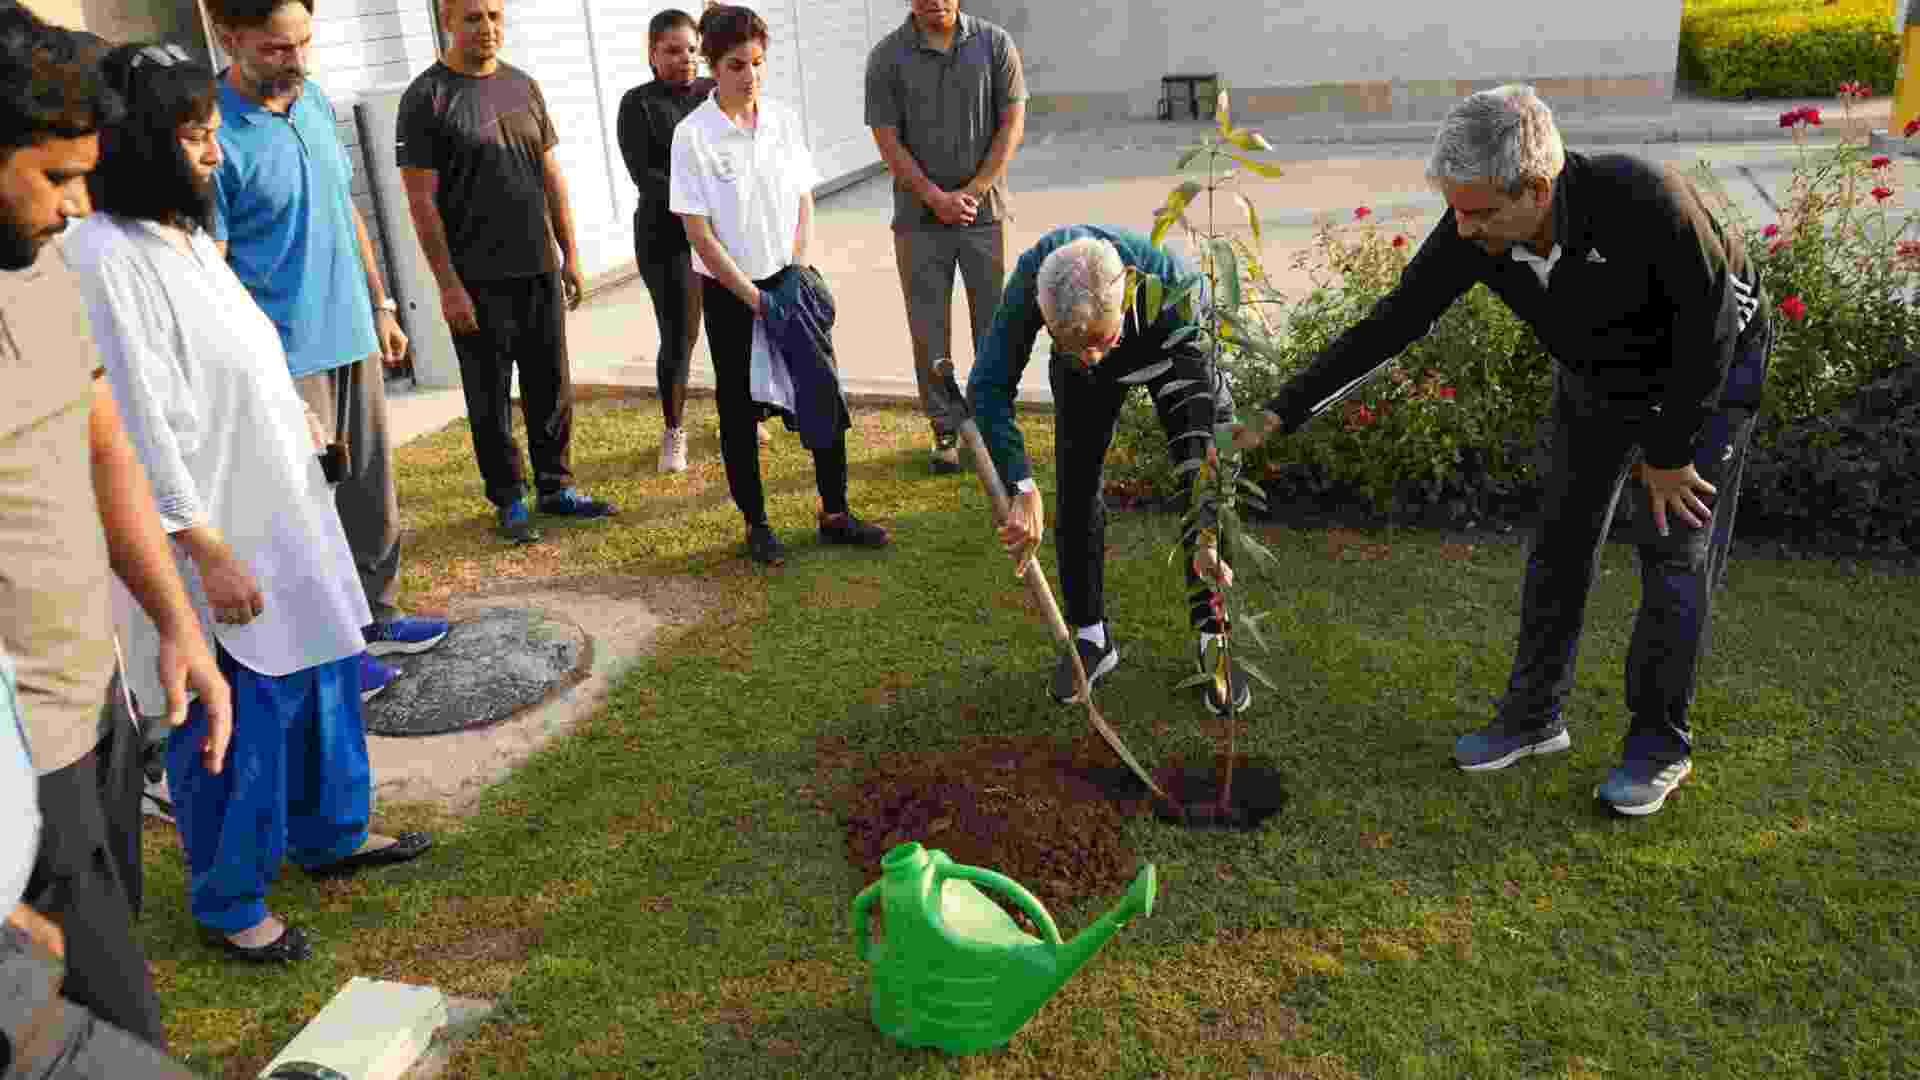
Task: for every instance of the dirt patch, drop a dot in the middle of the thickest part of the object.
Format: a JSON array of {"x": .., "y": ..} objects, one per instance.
[{"x": 1049, "y": 815}]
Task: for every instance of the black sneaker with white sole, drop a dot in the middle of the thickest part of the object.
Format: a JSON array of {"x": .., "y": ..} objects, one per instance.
[{"x": 1098, "y": 660}]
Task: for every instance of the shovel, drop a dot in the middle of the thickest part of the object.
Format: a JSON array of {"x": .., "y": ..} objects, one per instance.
[{"x": 969, "y": 432}]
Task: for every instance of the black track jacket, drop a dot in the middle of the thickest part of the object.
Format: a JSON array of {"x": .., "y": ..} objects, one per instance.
[{"x": 1647, "y": 301}]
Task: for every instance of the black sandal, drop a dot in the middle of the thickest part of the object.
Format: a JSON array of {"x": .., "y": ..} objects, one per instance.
[
  {"x": 405, "y": 847},
  {"x": 290, "y": 947}
]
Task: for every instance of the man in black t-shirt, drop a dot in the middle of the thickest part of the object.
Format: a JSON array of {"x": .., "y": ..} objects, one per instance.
[{"x": 475, "y": 147}]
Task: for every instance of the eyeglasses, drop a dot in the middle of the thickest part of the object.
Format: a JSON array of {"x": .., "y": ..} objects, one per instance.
[{"x": 164, "y": 56}]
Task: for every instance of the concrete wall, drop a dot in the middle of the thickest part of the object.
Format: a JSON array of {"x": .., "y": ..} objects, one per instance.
[{"x": 1398, "y": 59}]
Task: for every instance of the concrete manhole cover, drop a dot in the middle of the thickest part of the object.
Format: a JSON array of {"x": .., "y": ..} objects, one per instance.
[{"x": 493, "y": 664}]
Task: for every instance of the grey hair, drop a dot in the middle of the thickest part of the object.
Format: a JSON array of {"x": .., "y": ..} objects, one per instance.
[
  {"x": 1081, "y": 286},
  {"x": 1505, "y": 135}
]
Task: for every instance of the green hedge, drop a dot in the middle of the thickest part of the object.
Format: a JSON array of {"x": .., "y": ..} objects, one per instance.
[{"x": 1787, "y": 48}]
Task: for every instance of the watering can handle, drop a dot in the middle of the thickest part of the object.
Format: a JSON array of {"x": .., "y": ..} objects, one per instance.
[
  {"x": 862, "y": 939},
  {"x": 1009, "y": 888}
]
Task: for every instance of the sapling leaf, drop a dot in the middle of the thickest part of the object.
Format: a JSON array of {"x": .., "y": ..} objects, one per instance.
[
  {"x": 1175, "y": 386},
  {"x": 1226, "y": 265},
  {"x": 1253, "y": 669},
  {"x": 1162, "y": 221},
  {"x": 1251, "y": 488},
  {"x": 1251, "y": 624},
  {"x": 1247, "y": 140},
  {"x": 1156, "y": 292},
  {"x": 1192, "y": 681},
  {"x": 1264, "y": 168},
  {"x": 1257, "y": 549},
  {"x": 1253, "y": 216},
  {"x": 1186, "y": 159}
]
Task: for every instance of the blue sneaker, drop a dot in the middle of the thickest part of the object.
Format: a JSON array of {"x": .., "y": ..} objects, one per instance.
[
  {"x": 404, "y": 634},
  {"x": 374, "y": 676},
  {"x": 1638, "y": 788},
  {"x": 516, "y": 524},
  {"x": 1497, "y": 746},
  {"x": 568, "y": 502}
]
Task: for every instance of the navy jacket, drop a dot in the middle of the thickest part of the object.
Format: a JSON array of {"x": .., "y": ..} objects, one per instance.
[{"x": 800, "y": 324}]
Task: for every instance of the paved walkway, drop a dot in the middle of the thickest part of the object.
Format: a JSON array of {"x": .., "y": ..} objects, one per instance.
[{"x": 1119, "y": 175}]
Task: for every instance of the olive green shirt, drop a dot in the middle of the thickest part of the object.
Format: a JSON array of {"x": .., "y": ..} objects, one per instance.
[{"x": 947, "y": 108}]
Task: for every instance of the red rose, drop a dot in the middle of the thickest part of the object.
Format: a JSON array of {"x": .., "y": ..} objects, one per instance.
[
  {"x": 1811, "y": 115},
  {"x": 1794, "y": 308},
  {"x": 1883, "y": 193},
  {"x": 1880, "y": 161},
  {"x": 1447, "y": 393},
  {"x": 1361, "y": 213},
  {"x": 1912, "y": 126},
  {"x": 1399, "y": 241},
  {"x": 1770, "y": 231},
  {"x": 1788, "y": 119}
]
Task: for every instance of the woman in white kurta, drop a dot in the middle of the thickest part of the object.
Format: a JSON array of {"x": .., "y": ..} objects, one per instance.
[{"x": 201, "y": 380}]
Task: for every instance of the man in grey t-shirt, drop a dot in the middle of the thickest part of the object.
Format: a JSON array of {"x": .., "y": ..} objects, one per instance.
[{"x": 947, "y": 104}]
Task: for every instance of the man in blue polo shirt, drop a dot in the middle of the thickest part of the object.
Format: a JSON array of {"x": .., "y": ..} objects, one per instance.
[{"x": 284, "y": 214}]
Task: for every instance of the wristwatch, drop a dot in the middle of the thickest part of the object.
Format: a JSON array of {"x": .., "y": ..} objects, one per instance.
[{"x": 389, "y": 305}]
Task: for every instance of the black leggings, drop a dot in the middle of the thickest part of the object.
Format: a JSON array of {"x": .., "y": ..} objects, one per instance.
[
  {"x": 667, "y": 269},
  {"x": 730, "y": 340}
]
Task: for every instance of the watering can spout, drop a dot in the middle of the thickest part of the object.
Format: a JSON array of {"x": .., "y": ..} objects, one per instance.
[{"x": 1136, "y": 903}]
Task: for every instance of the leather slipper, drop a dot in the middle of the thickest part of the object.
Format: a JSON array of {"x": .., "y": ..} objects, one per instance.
[
  {"x": 290, "y": 947},
  {"x": 406, "y": 846}
]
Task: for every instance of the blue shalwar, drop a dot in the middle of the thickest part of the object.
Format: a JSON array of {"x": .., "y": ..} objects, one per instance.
[{"x": 297, "y": 784}]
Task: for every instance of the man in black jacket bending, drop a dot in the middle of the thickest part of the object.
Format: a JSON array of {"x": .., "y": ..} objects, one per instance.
[{"x": 1656, "y": 320}]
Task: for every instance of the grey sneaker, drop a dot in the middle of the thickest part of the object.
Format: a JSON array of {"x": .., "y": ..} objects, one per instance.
[
  {"x": 1098, "y": 661},
  {"x": 1640, "y": 788},
  {"x": 946, "y": 454},
  {"x": 1497, "y": 746}
]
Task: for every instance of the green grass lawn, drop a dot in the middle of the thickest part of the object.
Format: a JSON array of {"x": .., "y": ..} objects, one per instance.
[{"x": 665, "y": 893}]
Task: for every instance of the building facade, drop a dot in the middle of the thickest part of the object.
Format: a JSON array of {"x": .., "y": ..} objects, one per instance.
[{"x": 1093, "y": 61}]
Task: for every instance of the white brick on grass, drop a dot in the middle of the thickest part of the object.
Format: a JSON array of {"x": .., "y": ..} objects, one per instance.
[{"x": 371, "y": 1030}]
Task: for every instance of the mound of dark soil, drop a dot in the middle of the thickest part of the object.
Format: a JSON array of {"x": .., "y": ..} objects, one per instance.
[{"x": 1049, "y": 815}]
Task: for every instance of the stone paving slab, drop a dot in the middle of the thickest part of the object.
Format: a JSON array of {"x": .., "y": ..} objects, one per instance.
[{"x": 492, "y": 665}]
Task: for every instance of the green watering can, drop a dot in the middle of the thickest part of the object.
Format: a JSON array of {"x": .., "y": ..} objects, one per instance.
[{"x": 954, "y": 971}]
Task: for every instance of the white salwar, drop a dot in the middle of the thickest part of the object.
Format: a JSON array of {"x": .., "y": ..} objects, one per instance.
[{"x": 201, "y": 380}]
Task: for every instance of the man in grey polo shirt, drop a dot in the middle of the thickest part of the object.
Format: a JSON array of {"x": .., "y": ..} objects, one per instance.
[{"x": 947, "y": 104}]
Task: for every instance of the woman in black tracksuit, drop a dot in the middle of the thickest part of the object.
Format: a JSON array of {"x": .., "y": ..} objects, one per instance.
[{"x": 648, "y": 114}]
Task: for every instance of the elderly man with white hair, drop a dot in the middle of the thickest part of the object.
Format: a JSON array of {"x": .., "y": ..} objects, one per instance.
[
  {"x": 1074, "y": 283},
  {"x": 1656, "y": 321}
]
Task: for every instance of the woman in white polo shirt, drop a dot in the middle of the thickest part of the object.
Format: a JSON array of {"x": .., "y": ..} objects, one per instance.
[{"x": 742, "y": 181}]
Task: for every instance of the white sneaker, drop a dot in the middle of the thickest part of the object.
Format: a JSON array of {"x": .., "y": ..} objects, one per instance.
[{"x": 673, "y": 450}]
